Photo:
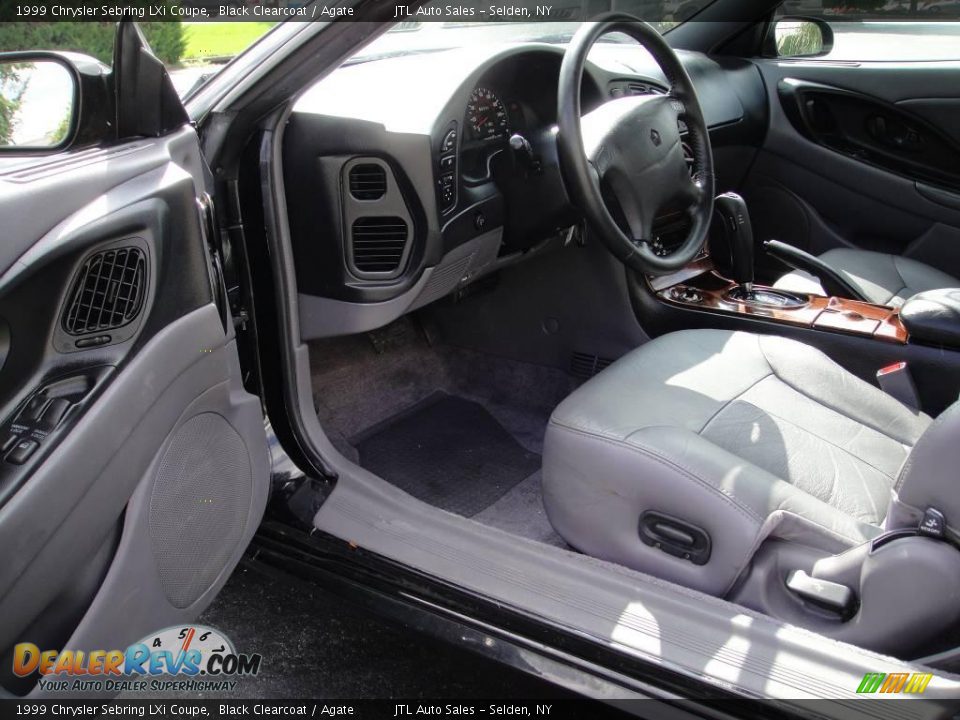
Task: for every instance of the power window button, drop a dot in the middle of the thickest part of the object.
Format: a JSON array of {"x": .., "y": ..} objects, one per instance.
[
  {"x": 22, "y": 451},
  {"x": 53, "y": 414}
]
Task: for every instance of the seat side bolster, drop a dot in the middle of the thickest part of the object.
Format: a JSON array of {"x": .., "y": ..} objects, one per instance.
[{"x": 595, "y": 489}]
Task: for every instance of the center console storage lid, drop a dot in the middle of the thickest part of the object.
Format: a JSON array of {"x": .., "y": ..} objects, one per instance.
[{"x": 933, "y": 317}]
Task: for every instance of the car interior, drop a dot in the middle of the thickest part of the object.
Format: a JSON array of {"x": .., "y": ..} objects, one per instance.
[
  {"x": 689, "y": 314},
  {"x": 650, "y": 334}
]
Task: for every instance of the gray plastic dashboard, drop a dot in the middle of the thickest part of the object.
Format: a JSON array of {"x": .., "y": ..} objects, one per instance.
[{"x": 407, "y": 115}]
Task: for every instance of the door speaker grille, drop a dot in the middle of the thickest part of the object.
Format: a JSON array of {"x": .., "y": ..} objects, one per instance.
[
  {"x": 108, "y": 291},
  {"x": 378, "y": 243},
  {"x": 199, "y": 505}
]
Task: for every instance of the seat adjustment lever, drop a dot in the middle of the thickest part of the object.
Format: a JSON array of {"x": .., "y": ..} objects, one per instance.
[{"x": 825, "y": 593}]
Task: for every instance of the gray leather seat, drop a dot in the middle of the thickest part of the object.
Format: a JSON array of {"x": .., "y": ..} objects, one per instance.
[
  {"x": 883, "y": 279},
  {"x": 748, "y": 437}
]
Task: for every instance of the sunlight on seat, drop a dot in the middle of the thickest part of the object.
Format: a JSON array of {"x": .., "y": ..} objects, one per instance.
[{"x": 732, "y": 360}]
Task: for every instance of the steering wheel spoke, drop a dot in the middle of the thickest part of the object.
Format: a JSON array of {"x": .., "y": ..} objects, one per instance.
[
  {"x": 678, "y": 106},
  {"x": 692, "y": 192}
]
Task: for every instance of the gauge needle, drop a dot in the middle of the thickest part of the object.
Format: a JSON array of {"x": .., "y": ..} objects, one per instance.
[
  {"x": 481, "y": 121},
  {"x": 188, "y": 640}
]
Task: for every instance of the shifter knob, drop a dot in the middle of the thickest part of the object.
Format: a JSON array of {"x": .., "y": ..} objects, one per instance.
[{"x": 736, "y": 220}]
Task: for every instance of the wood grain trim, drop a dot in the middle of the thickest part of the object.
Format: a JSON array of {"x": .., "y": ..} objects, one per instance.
[
  {"x": 699, "y": 266},
  {"x": 709, "y": 292}
]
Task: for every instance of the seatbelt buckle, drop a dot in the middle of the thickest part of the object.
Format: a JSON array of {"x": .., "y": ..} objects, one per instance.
[{"x": 895, "y": 380}]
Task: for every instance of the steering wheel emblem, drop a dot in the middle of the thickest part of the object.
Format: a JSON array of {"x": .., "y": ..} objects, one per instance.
[{"x": 655, "y": 137}]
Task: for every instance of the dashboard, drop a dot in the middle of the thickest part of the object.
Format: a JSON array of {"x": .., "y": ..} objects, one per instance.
[{"x": 444, "y": 168}]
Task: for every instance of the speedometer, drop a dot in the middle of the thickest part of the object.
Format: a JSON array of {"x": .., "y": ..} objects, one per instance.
[{"x": 487, "y": 115}]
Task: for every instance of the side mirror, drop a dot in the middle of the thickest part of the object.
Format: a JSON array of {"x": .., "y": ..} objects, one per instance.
[
  {"x": 39, "y": 98},
  {"x": 799, "y": 37}
]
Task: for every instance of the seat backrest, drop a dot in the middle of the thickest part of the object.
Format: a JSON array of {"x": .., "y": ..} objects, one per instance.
[{"x": 930, "y": 477}]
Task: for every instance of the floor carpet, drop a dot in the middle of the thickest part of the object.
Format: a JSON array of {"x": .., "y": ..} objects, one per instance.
[
  {"x": 457, "y": 428},
  {"x": 449, "y": 452}
]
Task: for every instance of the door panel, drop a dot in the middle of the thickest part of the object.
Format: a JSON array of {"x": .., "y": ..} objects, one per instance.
[
  {"x": 132, "y": 510},
  {"x": 819, "y": 190}
]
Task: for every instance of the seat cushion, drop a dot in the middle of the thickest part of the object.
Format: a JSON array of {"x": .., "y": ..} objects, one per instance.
[
  {"x": 743, "y": 435},
  {"x": 883, "y": 279}
]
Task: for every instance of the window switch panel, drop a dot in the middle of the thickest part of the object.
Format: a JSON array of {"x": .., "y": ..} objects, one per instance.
[{"x": 22, "y": 451}]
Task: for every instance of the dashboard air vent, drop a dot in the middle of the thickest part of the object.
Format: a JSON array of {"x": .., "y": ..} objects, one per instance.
[
  {"x": 644, "y": 89},
  {"x": 368, "y": 181},
  {"x": 108, "y": 291},
  {"x": 378, "y": 243}
]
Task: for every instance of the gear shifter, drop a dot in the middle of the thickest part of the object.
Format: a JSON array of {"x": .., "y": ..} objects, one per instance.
[{"x": 736, "y": 220}]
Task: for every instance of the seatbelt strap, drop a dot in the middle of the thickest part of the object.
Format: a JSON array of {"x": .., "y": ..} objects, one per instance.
[{"x": 895, "y": 380}]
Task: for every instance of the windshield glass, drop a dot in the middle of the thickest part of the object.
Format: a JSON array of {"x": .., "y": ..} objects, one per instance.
[
  {"x": 209, "y": 45},
  {"x": 412, "y": 36},
  {"x": 195, "y": 51}
]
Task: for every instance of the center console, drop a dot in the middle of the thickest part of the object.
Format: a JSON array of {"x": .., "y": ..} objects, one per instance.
[
  {"x": 705, "y": 289},
  {"x": 711, "y": 292},
  {"x": 860, "y": 336}
]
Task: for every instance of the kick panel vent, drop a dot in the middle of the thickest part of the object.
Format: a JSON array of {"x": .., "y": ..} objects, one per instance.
[
  {"x": 378, "y": 244},
  {"x": 368, "y": 181},
  {"x": 585, "y": 365},
  {"x": 108, "y": 292}
]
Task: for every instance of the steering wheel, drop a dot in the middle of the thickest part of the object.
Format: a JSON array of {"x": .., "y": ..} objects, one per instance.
[{"x": 626, "y": 157}]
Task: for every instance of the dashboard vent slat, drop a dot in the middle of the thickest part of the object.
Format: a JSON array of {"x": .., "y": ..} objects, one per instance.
[
  {"x": 368, "y": 181},
  {"x": 108, "y": 291},
  {"x": 644, "y": 89},
  {"x": 378, "y": 244}
]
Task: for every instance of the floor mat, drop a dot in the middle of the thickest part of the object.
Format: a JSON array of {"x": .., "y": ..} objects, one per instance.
[{"x": 448, "y": 452}]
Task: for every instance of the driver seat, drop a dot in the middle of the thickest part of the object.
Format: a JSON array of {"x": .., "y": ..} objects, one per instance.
[
  {"x": 881, "y": 278},
  {"x": 690, "y": 453}
]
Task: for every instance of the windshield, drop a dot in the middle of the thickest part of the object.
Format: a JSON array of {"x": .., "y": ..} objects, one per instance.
[
  {"x": 195, "y": 51},
  {"x": 209, "y": 45},
  {"x": 410, "y": 37}
]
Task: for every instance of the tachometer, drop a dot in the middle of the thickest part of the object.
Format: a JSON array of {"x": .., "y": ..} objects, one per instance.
[{"x": 487, "y": 115}]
